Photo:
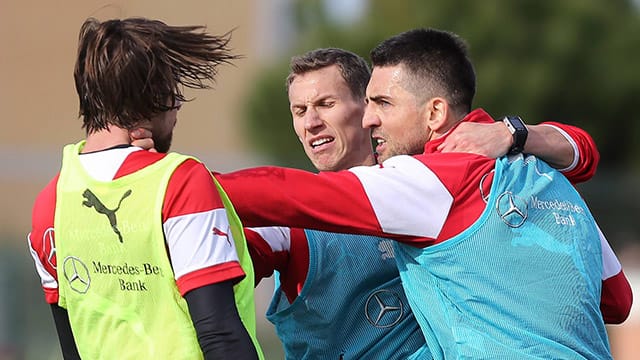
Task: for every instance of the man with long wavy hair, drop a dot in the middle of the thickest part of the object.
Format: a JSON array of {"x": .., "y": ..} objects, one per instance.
[{"x": 122, "y": 274}]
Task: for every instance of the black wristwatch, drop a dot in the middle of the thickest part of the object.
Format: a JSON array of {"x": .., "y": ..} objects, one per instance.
[{"x": 519, "y": 131}]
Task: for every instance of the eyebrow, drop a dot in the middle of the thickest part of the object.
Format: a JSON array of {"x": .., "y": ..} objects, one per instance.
[
  {"x": 315, "y": 101},
  {"x": 378, "y": 98}
]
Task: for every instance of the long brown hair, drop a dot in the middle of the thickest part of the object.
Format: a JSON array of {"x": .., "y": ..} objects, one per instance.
[{"x": 128, "y": 70}]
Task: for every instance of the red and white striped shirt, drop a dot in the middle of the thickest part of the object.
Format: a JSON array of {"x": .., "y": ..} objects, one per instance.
[
  {"x": 191, "y": 213},
  {"x": 420, "y": 200}
]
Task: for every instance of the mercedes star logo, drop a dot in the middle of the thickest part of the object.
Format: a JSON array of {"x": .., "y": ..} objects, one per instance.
[
  {"x": 77, "y": 274},
  {"x": 512, "y": 209},
  {"x": 384, "y": 309},
  {"x": 49, "y": 247}
]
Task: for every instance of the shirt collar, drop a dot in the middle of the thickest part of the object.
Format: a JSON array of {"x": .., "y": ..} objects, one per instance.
[{"x": 477, "y": 116}]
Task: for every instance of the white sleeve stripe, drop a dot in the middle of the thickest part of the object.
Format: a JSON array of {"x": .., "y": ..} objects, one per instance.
[
  {"x": 406, "y": 196},
  {"x": 200, "y": 240},
  {"x": 278, "y": 238},
  {"x": 46, "y": 279},
  {"x": 576, "y": 152},
  {"x": 610, "y": 264}
]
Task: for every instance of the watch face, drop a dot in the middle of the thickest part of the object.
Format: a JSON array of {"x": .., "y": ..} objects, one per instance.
[{"x": 516, "y": 123}]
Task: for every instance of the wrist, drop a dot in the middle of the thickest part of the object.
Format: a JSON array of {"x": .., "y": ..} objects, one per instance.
[{"x": 519, "y": 133}]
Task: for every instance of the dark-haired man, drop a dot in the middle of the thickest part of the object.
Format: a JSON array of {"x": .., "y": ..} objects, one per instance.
[{"x": 493, "y": 254}]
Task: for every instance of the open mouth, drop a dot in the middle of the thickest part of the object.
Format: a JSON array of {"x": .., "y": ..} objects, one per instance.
[
  {"x": 380, "y": 143},
  {"x": 321, "y": 141}
]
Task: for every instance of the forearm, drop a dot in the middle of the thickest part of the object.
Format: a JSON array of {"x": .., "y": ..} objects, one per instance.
[
  {"x": 586, "y": 155},
  {"x": 549, "y": 144},
  {"x": 220, "y": 331},
  {"x": 554, "y": 144}
]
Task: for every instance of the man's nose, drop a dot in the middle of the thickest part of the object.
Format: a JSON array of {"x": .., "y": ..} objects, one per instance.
[
  {"x": 312, "y": 119},
  {"x": 370, "y": 119}
]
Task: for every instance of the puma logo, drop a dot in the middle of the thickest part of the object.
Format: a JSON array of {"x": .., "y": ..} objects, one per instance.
[
  {"x": 92, "y": 201},
  {"x": 221, "y": 233}
]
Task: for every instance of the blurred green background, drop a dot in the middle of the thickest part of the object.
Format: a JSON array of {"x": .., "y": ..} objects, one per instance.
[{"x": 573, "y": 61}]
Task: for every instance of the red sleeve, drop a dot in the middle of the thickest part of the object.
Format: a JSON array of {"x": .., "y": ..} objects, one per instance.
[
  {"x": 42, "y": 240},
  {"x": 588, "y": 155},
  {"x": 617, "y": 299},
  {"x": 191, "y": 202},
  {"x": 291, "y": 260},
  {"x": 264, "y": 259},
  {"x": 386, "y": 201},
  {"x": 301, "y": 199},
  {"x": 190, "y": 190},
  {"x": 295, "y": 275}
]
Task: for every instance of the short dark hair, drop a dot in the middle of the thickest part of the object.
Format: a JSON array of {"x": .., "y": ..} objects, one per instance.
[
  {"x": 436, "y": 61},
  {"x": 131, "y": 69},
  {"x": 353, "y": 68}
]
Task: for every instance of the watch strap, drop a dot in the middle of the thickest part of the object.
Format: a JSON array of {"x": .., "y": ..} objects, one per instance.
[{"x": 518, "y": 131}]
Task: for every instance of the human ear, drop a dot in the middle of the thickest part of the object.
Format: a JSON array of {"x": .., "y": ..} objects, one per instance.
[{"x": 437, "y": 115}]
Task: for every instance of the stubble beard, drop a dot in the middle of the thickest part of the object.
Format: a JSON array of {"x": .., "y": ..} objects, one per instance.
[{"x": 162, "y": 145}]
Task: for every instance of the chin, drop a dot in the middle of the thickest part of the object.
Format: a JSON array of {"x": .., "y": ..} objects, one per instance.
[
  {"x": 320, "y": 167},
  {"x": 327, "y": 167}
]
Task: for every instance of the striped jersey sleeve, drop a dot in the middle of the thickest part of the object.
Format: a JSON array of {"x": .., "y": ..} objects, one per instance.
[{"x": 269, "y": 249}]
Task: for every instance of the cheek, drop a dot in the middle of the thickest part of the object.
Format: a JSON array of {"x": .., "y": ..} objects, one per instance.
[
  {"x": 393, "y": 124},
  {"x": 163, "y": 121},
  {"x": 353, "y": 136},
  {"x": 298, "y": 128},
  {"x": 165, "y": 128},
  {"x": 346, "y": 121}
]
